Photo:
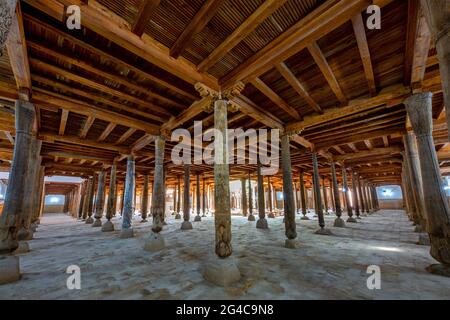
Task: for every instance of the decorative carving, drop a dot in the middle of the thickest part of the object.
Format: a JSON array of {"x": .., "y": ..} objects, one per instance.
[
  {"x": 6, "y": 17},
  {"x": 233, "y": 91}
]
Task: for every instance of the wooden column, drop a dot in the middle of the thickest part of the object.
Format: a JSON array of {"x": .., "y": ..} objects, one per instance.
[
  {"x": 100, "y": 200},
  {"x": 186, "y": 225},
  {"x": 144, "y": 203},
  {"x": 355, "y": 193},
  {"x": 108, "y": 226},
  {"x": 345, "y": 189},
  {"x": 90, "y": 220},
  {"x": 251, "y": 217},
  {"x": 262, "y": 221},
  {"x": 361, "y": 194},
  {"x": 288, "y": 195},
  {"x": 203, "y": 197},
  {"x": 82, "y": 198},
  {"x": 178, "y": 209},
  {"x": 318, "y": 201},
  {"x": 270, "y": 198},
  {"x": 198, "y": 202},
  {"x": 158, "y": 193},
  {"x": 303, "y": 196},
  {"x": 14, "y": 206},
  {"x": 338, "y": 222},
  {"x": 174, "y": 194},
  {"x": 7, "y": 9},
  {"x": 244, "y": 198},
  {"x": 87, "y": 198},
  {"x": 419, "y": 107},
  {"x": 127, "y": 215},
  {"x": 437, "y": 14},
  {"x": 324, "y": 192}
]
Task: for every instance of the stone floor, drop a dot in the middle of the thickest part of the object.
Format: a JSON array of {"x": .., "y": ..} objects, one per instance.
[{"x": 324, "y": 267}]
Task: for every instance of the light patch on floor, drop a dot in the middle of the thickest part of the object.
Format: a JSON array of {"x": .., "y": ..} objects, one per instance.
[{"x": 324, "y": 267}]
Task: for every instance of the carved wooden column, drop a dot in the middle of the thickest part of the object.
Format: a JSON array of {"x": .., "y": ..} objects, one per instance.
[
  {"x": 144, "y": 201},
  {"x": 100, "y": 200},
  {"x": 318, "y": 200},
  {"x": 251, "y": 217},
  {"x": 197, "y": 202},
  {"x": 338, "y": 222},
  {"x": 270, "y": 198},
  {"x": 108, "y": 226},
  {"x": 355, "y": 193},
  {"x": 178, "y": 209},
  {"x": 186, "y": 225},
  {"x": 244, "y": 198},
  {"x": 127, "y": 215},
  {"x": 203, "y": 197},
  {"x": 361, "y": 194},
  {"x": 419, "y": 108},
  {"x": 87, "y": 198},
  {"x": 303, "y": 196},
  {"x": 345, "y": 189},
  {"x": 324, "y": 192},
  {"x": 262, "y": 221},
  {"x": 83, "y": 196},
  {"x": 13, "y": 210},
  {"x": 437, "y": 14},
  {"x": 288, "y": 195}
]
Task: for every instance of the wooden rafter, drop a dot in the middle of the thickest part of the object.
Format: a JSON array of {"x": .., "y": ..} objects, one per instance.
[
  {"x": 106, "y": 132},
  {"x": 361, "y": 38},
  {"x": 143, "y": 16},
  {"x": 63, "y": 122},
  {"x": 87, "y": 126},
  {"x": 420, "y": 55}
]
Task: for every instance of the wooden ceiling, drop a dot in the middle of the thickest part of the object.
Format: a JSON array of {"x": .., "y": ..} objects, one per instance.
[{"x": 310, "y": 67}]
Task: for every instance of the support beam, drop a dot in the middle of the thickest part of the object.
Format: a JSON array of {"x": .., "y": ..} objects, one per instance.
[{"x": 145, "y": 12}]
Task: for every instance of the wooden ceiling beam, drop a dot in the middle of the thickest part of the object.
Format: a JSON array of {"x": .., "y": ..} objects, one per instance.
[
  {"x": 63, "y": 122},
  {"x": 249, "y": 108},
  {"x": 420, "y": 54},
  {"x": 370, "y": 153},
  {"x": 125, "y": 136},
  {"x": 103, "y": 21},
  {"x": 323, "y": 65},
  {"x": 197, "y": 23},
  {"x": 111, "y": 126},
  {"x": 275, "y": 98},
  {"x": 145, "y": 12},
  {"x": 368, "y": 144},
  {"x": 18, "y": 55},
  {"x": 411, "y": 31},
  {"x": 297, "y": 86},
  {"x": 266, "y": 9},
  {"x": 361, "y": 39},
  {"x": 87, "y": 126}
]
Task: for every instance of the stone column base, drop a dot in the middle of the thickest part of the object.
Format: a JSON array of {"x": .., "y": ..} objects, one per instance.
[
  {"x": 438, "y": 269},
  {"x": 97, "y": 223},
  {"x": 221, "y": 272},
  {"x": 339, "y": 223},
  {"x": 324, "y": 232},
  {"x": 155, "y": 242},
  {"x": 352, "y": 220},
  {"x": 197, "y": 218},
  {"x": 126, "y": 233},
  {"x": 186, "y": 225},
  {"x": 178, "y": 216},
  {"x": 9, "y": 269},
  {"x": 251, "y": 218},
  {"x": 22, "y": 248},
  {"x": 291, "y": 244},
  {"x": 89, "y": 220},
  {"x": 424, "y": 240},
  {"x": 304, "y": 218},
  {"x": 144, "y": 221},
  {"x": 108, "y": 226},
  {"x": 262, "y": 223},
  {"x": 271, "y": 215}
]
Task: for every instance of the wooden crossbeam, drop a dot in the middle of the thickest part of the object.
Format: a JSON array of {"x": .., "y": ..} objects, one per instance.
[
  {"x": 370, "y": 153},
  {"x": 368, "y": 144},
  {"x": 297, "y": 86},
  {"x": 146, "y": 10},
  {"x": 9, "y": 136},
  {"x": 252, "y": 110},
  {"x": 361, "y": 39},
  {"x": 87, "y": 126},
  {"x": 142, "y": 143},
  {"x": 63, "y": 122},
  {"x": 275, "y": 98},
  {"x": 413, "y": 15},
  {"x": 323, "y": 65},
  {"x": 106, "y": 132},
  {"x": 200, "y": 20},
  {"x": 420, "y": 55},
  {"x": 125, "y": 136}
]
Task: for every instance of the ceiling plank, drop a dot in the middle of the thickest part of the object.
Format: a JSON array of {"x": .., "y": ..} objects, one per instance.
[
  {"x": 323, "y": 65},
  {"x": 275, "y": 98},
  {"x": 298, "y": 87},
  {"x": 200, "y": 20},
  {"x": 145, "y": 12},
  {"x": 361, "y": 39},
  {"x": 248, "y": 26}
]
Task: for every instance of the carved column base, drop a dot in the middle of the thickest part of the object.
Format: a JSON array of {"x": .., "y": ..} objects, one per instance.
[
  {"x": 339, "y": 223},
  {"x": 108, "y": 226},
  {"x": 178, "y": 216},
  {"x": 197, "y": 218},
  {"x": 304, "y": 218},
  {"x": 24, "y": 234},
  {"x": 144, "y": 220},
  {"x": 251, "y": 217},
  {"x": 439, "y": 269},
  {"x": 324, "y": 232},
  {"x": 424, "y": 239},
  {"x": 186, "y": 225},
  {"x": 154, "y": 242},
  {"x": 221, "y": 272},
  {"x": 126, "y": 233},
  {"x": 440, "y": 249},
  {"x": 97, "y": 223},
  {"x": 23, "y": 247},
  {"x": 262, "y": 224},
  {"x": 352, "y": 220},
  {"x": 7, "y": 243},
  {"x": 271, "y": 215},
  {"x": 291, "y": 244},
  {"x": 89, "y": 220},
  {"x": 9, "y": 269}
]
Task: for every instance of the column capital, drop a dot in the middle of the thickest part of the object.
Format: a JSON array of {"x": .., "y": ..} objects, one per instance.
[{"x": 418, "y": 107}]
